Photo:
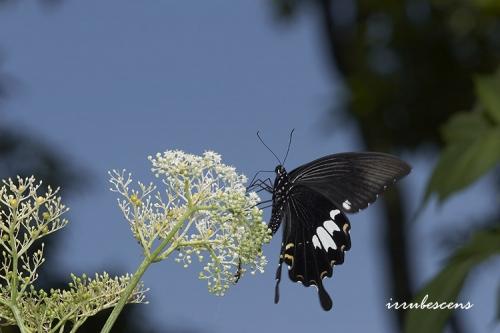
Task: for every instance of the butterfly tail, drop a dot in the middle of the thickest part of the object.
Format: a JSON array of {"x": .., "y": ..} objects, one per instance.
[{"x": 324, "y": 298}]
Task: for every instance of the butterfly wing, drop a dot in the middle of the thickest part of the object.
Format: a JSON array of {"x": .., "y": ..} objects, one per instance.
[
  {"x": 351, "y": 181},
  {"x": 315, "y": 237}
]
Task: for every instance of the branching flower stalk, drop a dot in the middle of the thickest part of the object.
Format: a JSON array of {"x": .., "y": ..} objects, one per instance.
[
  {"x": 204, "y": 211},
  {"x": 25, "y": 217}
]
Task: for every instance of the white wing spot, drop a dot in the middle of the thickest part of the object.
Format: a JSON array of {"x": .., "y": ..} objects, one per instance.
[
  {"x": 334, "y": 213},
  {"x": 346, "y": 204},
  {"x": 330, "y": 226},
  {"x": 325, "y": 238},
  {"x": 316, "y": 242}
]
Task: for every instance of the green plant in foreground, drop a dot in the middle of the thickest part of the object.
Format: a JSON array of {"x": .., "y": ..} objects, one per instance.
[
  {"x": 25, "y": 218},
  {"x": 203, "y": 212}
]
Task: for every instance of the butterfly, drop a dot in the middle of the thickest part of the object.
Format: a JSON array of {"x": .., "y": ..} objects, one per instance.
[{"x": 311, "y": 203}]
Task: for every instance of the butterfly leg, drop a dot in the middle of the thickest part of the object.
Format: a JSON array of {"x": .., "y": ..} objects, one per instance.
[
  {"x": 238, "y": 272},
  {"x": 262, "y": 185},
  {"x": 258, "y": 173},
  {"x": 267, "y": 202},
  {"x": 268, "y": 182},
  {"x": 259, "y": 183}
]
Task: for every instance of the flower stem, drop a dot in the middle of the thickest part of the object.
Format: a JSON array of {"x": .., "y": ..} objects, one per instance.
[
  {"x": 136, "y": 278},
  {"x": 126, "y": 294},
  {"x": 15, "y": 270},
  {"x": 19, "y": 319}
]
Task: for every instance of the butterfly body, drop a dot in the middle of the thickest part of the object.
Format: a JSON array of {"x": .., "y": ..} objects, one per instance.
[
  {"x": 311, "y": 202},
  {"x": 281, "y": 191}
]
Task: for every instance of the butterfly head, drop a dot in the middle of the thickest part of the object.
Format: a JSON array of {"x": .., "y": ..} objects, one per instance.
[{"x": 280, "y": 170}]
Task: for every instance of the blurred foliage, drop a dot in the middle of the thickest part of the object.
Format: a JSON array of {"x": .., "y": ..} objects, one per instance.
[
  {"x": 490, "y": 5},
  {"x": 472, "y": 142},
  {"x": 446, "y": 286},
  {"x": 407, "y": 64},
  {"x": 472, "y": 149},
  {"x": 24, "y": 155},
  {"x": 488, "y": 90}
]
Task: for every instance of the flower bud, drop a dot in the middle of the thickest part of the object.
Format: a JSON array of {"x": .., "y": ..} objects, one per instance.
[
  {"x": 135, "y": 200},
  {"x": 39, "y": 200},
  {"x": 13, "y": 203}
]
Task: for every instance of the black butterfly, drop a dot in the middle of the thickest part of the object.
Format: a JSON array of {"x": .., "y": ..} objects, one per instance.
[{"x": 311, "y": 202}]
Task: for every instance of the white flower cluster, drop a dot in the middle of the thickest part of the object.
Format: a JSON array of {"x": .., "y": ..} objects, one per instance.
[
  {"x": 205, "y": 212},
  {"x": 56, "y": 309},
  {"x": 26, "y": 216},
  {"x": 32, "y": 215}
]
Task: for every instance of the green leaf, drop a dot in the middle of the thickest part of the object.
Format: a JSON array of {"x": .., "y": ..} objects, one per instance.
[
  {"x": 464, "y": 162},
  {"x": 464, "y": 126},
  {"x": 489, "y": 5},
  {"x": 446, "y": 285},
  {"x": 488, "y": 91}
]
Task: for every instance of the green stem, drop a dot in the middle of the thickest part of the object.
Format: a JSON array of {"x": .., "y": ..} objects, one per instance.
[
  {"x": 76, "y": 326},
  {"x": 126, "y": 295},
  {"x": 19, "y": 319},
  {"x": 15, "y": 271},
  {"x": 136, "y": 278}
]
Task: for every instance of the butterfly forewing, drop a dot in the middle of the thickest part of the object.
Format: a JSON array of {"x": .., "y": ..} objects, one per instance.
[{"x": 351, "y": 180}]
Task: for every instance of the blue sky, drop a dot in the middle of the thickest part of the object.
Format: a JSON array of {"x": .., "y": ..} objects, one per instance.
[{"x": 108, "y": 83}]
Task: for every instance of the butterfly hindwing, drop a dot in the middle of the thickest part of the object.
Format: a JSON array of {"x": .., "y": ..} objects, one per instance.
[
  {"x": 351, "y": 180},
  {"x": 315, "y": 237}
]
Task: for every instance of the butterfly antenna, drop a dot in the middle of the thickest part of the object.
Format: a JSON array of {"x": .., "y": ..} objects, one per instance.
[
  {"x": 258, "y": 135},
  {"x": 289, "y": 144}
]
